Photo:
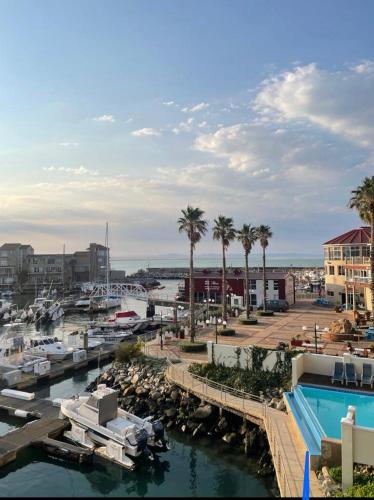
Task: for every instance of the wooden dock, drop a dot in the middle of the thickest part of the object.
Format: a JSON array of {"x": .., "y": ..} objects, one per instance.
[
  {"x": 47, "y": 425},
  {"x": 286, "y": 445}
]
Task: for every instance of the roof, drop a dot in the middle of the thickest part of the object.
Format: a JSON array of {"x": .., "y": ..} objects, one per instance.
[
  {"x": 359, "y": 235},
  {"x": 10, "y": 246}
]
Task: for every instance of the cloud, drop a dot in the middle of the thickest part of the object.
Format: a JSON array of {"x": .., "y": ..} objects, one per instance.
[
  {"x": 75, "y": 171},
  {"x": 184, "y": 126},
  {"x": 202, "y": 124},
  {"x": 69, "y": 144},
  {"x": 341, "y": 102},
  {"x": 196, "y": 107},
  {"x": 105, "y": 118},
  {"x": 168, "y": 103},
  {"x": 146, "y": 132},
  {"x": 129, "y": 120}
]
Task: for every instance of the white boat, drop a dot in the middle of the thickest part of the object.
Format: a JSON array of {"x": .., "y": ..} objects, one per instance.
[
  {"x": 110, "y": 336},
  {"x": 50, "y": 347},
  {"x": 109, "y": 303},
  {"x": 5, "y": 306},
  {"x": 97, "y": 420},
  {"x": 45, "y": 310},
  {"x": 83, "y": 302}
]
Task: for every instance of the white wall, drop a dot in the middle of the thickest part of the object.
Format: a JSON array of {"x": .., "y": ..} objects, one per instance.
[{"x": 225, "y": 355}]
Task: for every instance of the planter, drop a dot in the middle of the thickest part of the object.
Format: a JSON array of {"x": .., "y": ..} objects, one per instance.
[
  {"x": 188, "y": 346},
  {"x": 249, "y": 321},
  {"x": 265, "y": 313},
  {"x": 227, "y": 332},
  {"x": 296, "y": 342}
]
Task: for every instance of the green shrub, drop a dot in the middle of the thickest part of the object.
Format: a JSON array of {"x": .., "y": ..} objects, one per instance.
[
  {"x": 187, "y": 346},
  {"x": 249, "y": 321},
  {"x": 127, "y": 351},
  {"x": 265, "y": 313},
  {"x": 227, "y": 332},
  {"x": 336, "y": 473}
]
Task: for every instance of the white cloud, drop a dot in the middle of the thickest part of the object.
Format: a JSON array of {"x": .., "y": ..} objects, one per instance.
[
  {"x": 68, "y": 144},
  {"x": 105, "y": 118},
  {"x": 341, "y": 102},
  {"x": 202, "y": 124},
  {"x": 129, "y": 120},
  {"x": 168, "y": 103},
  {"x": 146, "y": 132},
  {"x": 196, "y": 107},
  {"x": 75, "y": 171},
  {"x": 184, "y": 126}
]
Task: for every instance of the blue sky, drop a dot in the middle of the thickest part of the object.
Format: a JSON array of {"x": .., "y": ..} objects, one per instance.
[{"x": 129, "y": 110}]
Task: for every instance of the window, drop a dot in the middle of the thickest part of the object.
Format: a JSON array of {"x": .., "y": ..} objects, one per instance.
[
  {"x": 267, "y": 284},
  {"x": 276, "y": 284},
  {"x": 335, "y": 253},
  {"x": 253, "y": 299},
  {"x": 355, "y": 251},
  {"x": 366, "y": 251},
  {"x": 330, "y": 293},
  {"x": 341, "y": 271},
  {"x": 326, "y": 253},
  {"x": 252, "y": 284},
  {"x": 331, "y": 270}
]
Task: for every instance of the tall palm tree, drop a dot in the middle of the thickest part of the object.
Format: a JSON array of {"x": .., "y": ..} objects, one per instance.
[
  {"x": 247, "y": 236},
  {"x": 193, "y": 224},
  {"x": 264, "y": 233},
  {"x": 363, "y": 201},
  {"x": 224, "y": 232}
]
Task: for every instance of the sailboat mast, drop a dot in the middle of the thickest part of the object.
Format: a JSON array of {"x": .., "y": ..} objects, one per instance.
[
  {"x": 63, "y": 270},
  {"x": 107, "y": 261}
]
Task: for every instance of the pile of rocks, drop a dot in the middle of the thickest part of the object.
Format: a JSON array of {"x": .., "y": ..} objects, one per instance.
[{"x": 144, "y": 390}]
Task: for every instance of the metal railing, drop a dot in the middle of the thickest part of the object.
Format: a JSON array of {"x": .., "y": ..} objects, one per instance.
[{"x": 357, "y": 261}]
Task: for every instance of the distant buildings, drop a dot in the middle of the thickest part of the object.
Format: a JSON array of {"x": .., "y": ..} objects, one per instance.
[
  {"x": 20, "y": 266},
  {"x": 347, "y": 268}
]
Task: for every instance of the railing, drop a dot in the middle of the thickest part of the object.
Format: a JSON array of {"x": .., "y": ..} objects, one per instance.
[
  {"x": 358, "y": 279},
  {"x": 357, "y": 261}
]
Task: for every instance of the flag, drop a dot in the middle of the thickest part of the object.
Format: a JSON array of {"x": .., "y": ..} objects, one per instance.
[{"x": 306, "y": 477}]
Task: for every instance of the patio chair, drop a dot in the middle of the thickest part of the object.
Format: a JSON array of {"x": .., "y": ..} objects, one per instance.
[
  {"x": 338, "y": 372},
  {"x": 350, "y": 374},
  {"x": 367, "y": 375}
]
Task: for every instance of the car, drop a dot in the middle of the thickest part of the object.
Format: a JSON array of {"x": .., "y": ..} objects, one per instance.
[{"x": 276, "y": 305}]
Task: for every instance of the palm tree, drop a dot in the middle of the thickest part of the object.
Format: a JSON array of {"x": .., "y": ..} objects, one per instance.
[
  {"x": 264, "y": 234},
  {"x": 247, "y": 236},
  {"x": 363, "y": 201},
  {"x": 193, "y": 224},
  {"x": 224, "y": 232}
]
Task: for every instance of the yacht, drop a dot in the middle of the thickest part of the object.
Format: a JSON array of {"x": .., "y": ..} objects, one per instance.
[
  {"x": 5, "y": 306},
  {"x": 109, "y": 302},
  {"x": 97, "y": 420},
  {"x": 107, "y": 335},
  {"x": 45, "y": 310},
  {"x": 50, "y": 347},
  {"x": 83, "y": 302}
]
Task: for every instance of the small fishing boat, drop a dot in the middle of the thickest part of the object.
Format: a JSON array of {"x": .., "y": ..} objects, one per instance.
[
  {"x": 97, "y": 420},
  {"x": 50, "y": 347}
]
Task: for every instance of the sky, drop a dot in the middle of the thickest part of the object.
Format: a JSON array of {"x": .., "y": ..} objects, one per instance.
[{"x": 127, "y": 111}]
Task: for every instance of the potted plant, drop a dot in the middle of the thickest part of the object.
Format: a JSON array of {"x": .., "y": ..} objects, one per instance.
[{"x": 297, "y": 341}]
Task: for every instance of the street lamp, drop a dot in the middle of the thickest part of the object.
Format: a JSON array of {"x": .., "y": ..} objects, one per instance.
[
  {"x": 316, "y": 329},
  {"x": 160, "y": 333}
]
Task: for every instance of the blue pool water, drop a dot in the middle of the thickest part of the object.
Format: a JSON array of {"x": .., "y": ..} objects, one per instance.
[{"x": 330, "y": 405}]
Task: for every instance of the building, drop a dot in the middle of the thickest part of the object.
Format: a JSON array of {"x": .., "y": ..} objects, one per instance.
[
  {"x": 347, "y": 268},
  {"x": 13, "y": 263},
  {"x": 208, "y": 284}
]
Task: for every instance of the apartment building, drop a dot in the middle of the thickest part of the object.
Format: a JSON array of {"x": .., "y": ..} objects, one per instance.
[
  {"x": 347, "y": 268},
  {"x": 13, "y": 263}
]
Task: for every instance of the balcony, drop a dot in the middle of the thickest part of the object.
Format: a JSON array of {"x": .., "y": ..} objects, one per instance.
[
  {"x": 358, "y": 280},
  {"x": 357, "y": 261}
]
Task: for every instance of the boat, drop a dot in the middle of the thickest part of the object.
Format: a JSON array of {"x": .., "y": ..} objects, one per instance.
[
  {"x": 97, "y": 420},
  {"x": 83, "y": 302},
  {"x": 5, "y": 306},
  {"x": 109, "y": 302},
  {"x": 45, "y": 310},
  {"x": 110, "y": 336},
  {"x": 50, "y": 347}
]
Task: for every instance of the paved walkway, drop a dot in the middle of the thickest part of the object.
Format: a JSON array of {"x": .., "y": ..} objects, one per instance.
[{"x": 287, "y": 448}]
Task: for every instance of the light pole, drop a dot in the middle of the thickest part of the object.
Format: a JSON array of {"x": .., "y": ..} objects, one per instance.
[
  {"x": 161, "y": 344},
  {"x": 316, "y": 330}
]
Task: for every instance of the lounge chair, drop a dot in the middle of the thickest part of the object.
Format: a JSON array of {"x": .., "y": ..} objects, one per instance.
[
  {"x": 338, "y": 372},
  {"x": 350, "y": 374},
  {"x": 367, "y": 375}
]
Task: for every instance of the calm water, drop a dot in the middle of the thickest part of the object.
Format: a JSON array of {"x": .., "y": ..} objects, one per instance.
[
  {"x": 190, "y": 468},
  {"x": 330, "y": 406}
]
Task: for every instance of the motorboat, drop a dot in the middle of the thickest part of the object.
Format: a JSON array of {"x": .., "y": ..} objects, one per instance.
[
  {"x": 5, "y": 306},
  {"x": 126, "y": 318},
  {"x": 83, "y": 302},
  {"x": 109, "y": 302},
  {"x": 45, "y": 310},
  {"x": 76, "y": 339},
  {"x": 110, "y": 336},
  {"x": 98, "y": 420},
  {"x": 50, "y": 347}
]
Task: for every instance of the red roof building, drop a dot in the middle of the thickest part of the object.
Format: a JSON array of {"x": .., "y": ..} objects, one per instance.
[{"x": 355, "y": 236}]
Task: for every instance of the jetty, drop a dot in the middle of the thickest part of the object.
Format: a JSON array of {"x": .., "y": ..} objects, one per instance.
[{"x": 286, "y": 446}]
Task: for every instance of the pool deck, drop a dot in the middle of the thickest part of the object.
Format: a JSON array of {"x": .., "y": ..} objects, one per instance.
[{"x": 325, "y": 382}]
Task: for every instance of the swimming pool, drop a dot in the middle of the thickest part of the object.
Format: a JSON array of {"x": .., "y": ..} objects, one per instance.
[{"x": 330, "y": 405}]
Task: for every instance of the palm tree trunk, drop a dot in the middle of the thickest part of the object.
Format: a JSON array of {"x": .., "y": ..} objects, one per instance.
[
  {"x": 224, "y": 298},
  {"x": 246, "y": 285},
  {"x": 264, "y": 279},
  {"x": 372, "y": 265},
  {"x": 192, "y": 297}
]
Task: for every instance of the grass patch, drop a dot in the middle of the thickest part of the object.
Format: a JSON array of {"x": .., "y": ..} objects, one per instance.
[
  {"x": 248, "y": 321},
  {"x": 227, "y": 332},
  {"x": 187, "y": 346}
]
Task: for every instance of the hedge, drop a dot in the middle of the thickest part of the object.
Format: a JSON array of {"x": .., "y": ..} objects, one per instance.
[
  {"x": 249, "y": 321},
  {"x": 265, "y": 313},
  {"x": 227, "y": 332},
  {"x": 188, "y": 346}
]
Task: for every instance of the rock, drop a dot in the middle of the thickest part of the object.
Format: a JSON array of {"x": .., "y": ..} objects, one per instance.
[
  {"x": 129, "y": 390},
  {"x": 203, "y": 412},
  {"x": 170, "y": 412},
  {"x": 183, "y": 428},
  {"x": 281, "y": 406},
  {"x": 222, "y": 424},
  {"x": 174, "y": 394},
  {"x": 230, "y": 438},
  {"x": 141, "y": 391},
  {"x": 199, "y": 429},
  {"x": 135, "y": 378}
]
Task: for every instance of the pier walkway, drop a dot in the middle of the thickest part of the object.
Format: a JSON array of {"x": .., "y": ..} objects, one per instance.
[{"x": 286, "y": 446}]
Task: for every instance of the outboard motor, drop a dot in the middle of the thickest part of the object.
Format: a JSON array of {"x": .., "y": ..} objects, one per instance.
[
  {"x": 158, "y": 429},
  {"x": 141, "y": 439}
]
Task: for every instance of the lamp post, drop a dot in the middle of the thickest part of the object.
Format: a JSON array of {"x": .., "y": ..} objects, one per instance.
[
  {"x": 161, "y": 344},
  {"x": 316, "y": 330}
]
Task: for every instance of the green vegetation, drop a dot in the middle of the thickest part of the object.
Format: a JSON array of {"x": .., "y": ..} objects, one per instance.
[
  {"x": 128, "y": 351},
  {"x": 265, "y": 313},
  {"x": 227, "y": 332},
  {"x": 187, "y": 346},
  {"x": 263, "y": 234},
  {"x": 247, "y": 235},
  {"x": 248, "y": 321},
  {"x": 363, "y": 484},
  {"x": 253, "y": 380}
]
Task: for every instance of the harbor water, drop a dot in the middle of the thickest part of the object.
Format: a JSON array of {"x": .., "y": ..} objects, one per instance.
[{"x": 192, "y": 467}]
